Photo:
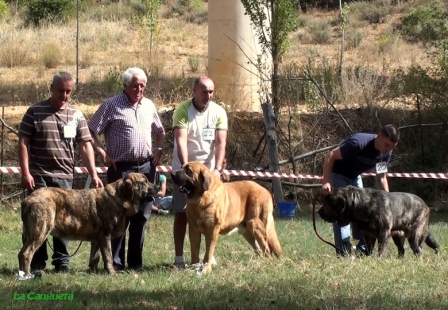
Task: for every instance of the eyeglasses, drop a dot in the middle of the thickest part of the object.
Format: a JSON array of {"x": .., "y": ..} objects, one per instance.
[{"x": 137, "y": 85}]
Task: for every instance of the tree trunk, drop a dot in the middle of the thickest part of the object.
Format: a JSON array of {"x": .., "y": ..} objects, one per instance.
[{"x": 271, "y": 138}]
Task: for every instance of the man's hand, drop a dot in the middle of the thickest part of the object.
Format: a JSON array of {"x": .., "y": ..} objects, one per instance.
[
  {"x": 97, "y": 182},
  {"x": 326, "y": 188},
  {"x": 156, "y": 156},
  {"x": 27, "y": 182},
  {"x": 217, "y": 173}
]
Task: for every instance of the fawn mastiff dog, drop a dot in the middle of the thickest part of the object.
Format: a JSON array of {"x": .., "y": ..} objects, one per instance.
[
  {"x": 379, "y": 214},
  {"x": 215, "y": 208},
  {"x": 95, "y": 215}
]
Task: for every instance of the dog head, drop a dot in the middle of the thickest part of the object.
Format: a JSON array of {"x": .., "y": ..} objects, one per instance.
[
  {"x": 137, "y": 189},
  {"x": 335, "y": 208},
  {"x": 193, "y": 179}
]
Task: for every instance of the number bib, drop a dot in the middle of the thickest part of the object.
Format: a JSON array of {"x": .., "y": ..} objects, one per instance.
[
  {"x": 69, "y": 131},
  {"x": 208, "y": 134},
  {"x": 381, "y": 167}
]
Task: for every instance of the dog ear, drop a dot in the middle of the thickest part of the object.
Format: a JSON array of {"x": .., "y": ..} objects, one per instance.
[
  {"x": 208, "y": 178},
  {"x": 127, "y": 189}
]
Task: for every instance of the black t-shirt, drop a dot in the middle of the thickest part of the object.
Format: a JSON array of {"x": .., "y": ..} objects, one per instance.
[{"x": 359, "y": 155}]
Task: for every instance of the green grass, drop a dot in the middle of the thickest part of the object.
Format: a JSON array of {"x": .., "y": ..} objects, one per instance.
[{"x": 308, "y": 276}]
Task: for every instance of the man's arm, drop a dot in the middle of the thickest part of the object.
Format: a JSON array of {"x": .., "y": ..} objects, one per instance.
[
  {"x": 220, "y": 148},
  {"x": 88, "y": 159},
  {"x": 180, "y": 135},
  {"x": 329, "y": 160},
  {"x": 162, "y": 190},
  {"x": 381, "y": 181},
  {"x": 98, "y": 149},
  {"x": 159, "y": 140},
  {"x": 27, "y": 181}
]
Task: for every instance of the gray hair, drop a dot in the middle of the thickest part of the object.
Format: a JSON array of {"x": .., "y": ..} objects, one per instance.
[
  {"x": 129, "y": 74},
  {"x": 64, "y": 77}
]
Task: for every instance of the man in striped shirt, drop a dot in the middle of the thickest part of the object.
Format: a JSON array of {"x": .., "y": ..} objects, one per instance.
[
  {"x": 129, "y": 122},
  {"x": 48, "y": 135}
]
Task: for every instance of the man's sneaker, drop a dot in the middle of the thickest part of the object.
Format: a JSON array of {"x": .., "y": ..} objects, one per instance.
[{"x": 163, "y": 212}]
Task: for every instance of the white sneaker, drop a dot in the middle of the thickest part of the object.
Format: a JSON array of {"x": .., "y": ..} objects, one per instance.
[{"x": 163, "y": 212}]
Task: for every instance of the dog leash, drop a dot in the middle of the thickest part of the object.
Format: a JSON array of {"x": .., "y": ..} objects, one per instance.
[
  {"x": 314, "y": 225},
  {"x": 69, "y": 255}
]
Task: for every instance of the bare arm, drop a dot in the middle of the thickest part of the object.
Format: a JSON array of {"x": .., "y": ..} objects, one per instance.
[
  {"x": 27, "y": 181},
  {"x": 88, "y": 159},
  {"x": 159, "y": 140},
  {"x": 180, "y": 135},
  {"x": 381, "y": 181},
  {"x": 329, "y": 160},
  {"x": 162, "y": 191},
  {"x": 220, "y": 149},
  {"x": 98, "y": 148}
]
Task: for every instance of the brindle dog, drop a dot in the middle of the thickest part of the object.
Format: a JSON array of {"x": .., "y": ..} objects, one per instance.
[
  {"x": 378, "y": 215},
  {"x": 95, "y": 215}
]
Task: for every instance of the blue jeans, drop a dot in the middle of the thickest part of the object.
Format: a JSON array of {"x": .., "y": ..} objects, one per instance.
[
  {"x": 342, "y": 233},
  {"x": 60, "y": 255}
]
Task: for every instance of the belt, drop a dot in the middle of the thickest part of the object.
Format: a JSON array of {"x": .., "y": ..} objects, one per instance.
[{"x": 132, "y": 162}]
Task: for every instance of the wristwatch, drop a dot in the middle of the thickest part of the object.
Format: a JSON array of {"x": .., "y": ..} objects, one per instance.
[{"x": 219, "y": 169}]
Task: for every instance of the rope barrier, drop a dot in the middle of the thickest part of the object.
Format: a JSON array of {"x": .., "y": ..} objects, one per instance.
[{"x": 259, "y": 174}]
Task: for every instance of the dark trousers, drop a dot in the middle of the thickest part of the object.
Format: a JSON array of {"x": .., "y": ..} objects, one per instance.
[
  {"x": 60, "y": 253},
  {"x": 137, "y": 222}
]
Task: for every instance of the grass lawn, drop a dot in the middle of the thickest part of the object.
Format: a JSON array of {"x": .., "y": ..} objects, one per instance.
[{"x": 308, "y": 276}]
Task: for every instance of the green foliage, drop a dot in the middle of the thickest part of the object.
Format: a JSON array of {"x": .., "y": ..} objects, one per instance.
[
  {"x": 281, "y": 23},
  {"x": 424, "y": 24},
  {"x": 3, "y": 9},
  {"x": 39, "y": 11}
]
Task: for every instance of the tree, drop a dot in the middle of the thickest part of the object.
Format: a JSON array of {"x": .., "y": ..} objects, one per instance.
[
  {"x": 272, "y": 20},
  {"x": 151, "y": 18}
]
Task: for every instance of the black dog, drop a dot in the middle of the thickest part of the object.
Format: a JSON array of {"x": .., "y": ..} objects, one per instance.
[{"x": 378, "y": 215}]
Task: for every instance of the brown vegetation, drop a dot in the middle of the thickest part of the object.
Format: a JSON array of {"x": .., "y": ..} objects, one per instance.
[{"x": 373, "y": 50}]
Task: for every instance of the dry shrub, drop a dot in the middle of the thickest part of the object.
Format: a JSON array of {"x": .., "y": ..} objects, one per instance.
[
  {"x": 14, "y": 55},
  {"x": 51, "y": 55},
  {"x": 320, "y": 32},
  {"x": 363, "y": 86},
  {"x": 155, "y": 64}
]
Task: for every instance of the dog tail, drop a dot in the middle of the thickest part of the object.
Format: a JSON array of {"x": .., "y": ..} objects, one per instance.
[
  {"x": 432, "y": 243},
  {"x": 272, "y": 238}
]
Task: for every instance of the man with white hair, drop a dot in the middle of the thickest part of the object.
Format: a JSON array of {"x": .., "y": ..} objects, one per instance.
[{"x": 128, "y": 121}]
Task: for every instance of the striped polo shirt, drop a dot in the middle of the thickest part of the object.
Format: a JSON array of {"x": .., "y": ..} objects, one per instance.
[
  {"x": 50, "y": 154},
  {"x": 127, "y": 129}
]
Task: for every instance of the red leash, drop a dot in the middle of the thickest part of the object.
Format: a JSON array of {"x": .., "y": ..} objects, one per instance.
[{"x": 314, "y": 225}]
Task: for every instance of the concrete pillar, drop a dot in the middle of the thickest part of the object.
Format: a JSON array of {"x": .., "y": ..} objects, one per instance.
[{"x": 231, "y": 41}]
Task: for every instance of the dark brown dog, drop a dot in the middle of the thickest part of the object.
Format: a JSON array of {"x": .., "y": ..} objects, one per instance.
[
  {"x": 378, "y": 215},
  {"x": 95, "y": 215},
  {"x": 215, "y": 208}
]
